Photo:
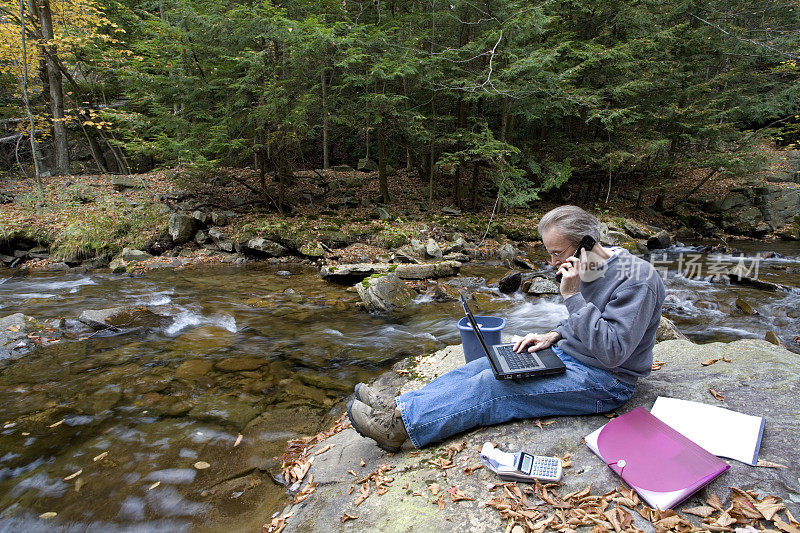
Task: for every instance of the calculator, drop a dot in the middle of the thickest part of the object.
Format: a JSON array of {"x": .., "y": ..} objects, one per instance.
[{"x": 521, "y": 466}]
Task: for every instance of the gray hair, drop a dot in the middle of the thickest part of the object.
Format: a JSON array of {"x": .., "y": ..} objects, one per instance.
[{"x": 572, "y": 222}]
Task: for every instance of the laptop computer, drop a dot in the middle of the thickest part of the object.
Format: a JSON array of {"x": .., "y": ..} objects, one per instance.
[{"x": 508, "y": 364}]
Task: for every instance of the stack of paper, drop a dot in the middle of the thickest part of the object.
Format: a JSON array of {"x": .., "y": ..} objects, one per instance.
[{"x": 669, "y": 454}]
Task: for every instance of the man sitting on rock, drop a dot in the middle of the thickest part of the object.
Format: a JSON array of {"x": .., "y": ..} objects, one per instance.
[{"x": 614, "y": 302}]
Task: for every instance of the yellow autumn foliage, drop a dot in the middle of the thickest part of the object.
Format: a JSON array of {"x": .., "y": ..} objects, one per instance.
[{"x": 76, "y": 24}]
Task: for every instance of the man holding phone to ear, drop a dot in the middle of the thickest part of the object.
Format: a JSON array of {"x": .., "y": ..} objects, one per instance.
[{"x": 614, "y": 302}]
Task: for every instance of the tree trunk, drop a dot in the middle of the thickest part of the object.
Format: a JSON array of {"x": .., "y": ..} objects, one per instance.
[
  {"x": 37, "y": 173},
  {"x": 475, "y": 176},
  {"x": 60, "y": 147},
  {"x": 504, "y": 120},
  {"x": 325, "y": 159},
  {"x": 382, "y": 180}
]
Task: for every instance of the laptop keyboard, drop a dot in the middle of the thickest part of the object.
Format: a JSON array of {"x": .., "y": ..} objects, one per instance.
[{"x": 516, "y": 360}]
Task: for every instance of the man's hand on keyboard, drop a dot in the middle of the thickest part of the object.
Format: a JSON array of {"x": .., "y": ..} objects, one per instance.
[{"x": 536, "y": 341}]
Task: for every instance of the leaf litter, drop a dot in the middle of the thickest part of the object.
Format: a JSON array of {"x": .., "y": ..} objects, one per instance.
[{"x": 539, "y": 507}]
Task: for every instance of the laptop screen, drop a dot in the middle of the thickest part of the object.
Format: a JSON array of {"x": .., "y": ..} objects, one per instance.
[{"x": 472, "y": 322}]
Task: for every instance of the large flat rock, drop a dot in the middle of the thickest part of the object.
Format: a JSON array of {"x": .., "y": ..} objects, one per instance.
[{"x": 761, "y": 379}]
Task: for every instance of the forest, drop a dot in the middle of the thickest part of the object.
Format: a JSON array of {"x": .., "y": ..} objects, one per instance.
[{"x": 518, "y": 98}]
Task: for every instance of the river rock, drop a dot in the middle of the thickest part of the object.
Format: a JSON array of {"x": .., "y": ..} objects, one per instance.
[
  {"x": 773, "y": 338},
  {"x": 510, "y": 282},
  {"x": 122, "y": 317},
  {"x": 638, "y": 231},
  {"x": 667, "y": 330},
  {"x": 507, "y": 253},
  {"x": 356, "y": 271},
  {"x": 458, "y": 245},
  {"x": 221, "y": 218},
  {"x": 266, "y": 247},
  {"x": 203, "y": 218},
  {"x": 181, "y": 228},
  {"x": 193, "y": 368},
  {"x": 659, "y": 241},
  {"x": 770, "y": 372},
  {"x": 745, "y": 307},
  {"x": 238, "y": 364},
  {"x": 385, "y": 293},
  {"x": 131, "y": 255},
  {"x": 313, "y": 249},
  {"x": 432, "y": 249},
  {"x": 617, "y": 238},
  {"x": 14, "y": 330},
  {"x": 540, "y": 286},
  {"x": 221, "y": 239},
  {"x": 223, "y": 410},
  {"x": 442, "y": 269},
  {"x": 417, "y": 248}
]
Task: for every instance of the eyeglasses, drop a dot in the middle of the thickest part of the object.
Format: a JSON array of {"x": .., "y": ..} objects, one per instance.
[{"x": 562, "y": 254}]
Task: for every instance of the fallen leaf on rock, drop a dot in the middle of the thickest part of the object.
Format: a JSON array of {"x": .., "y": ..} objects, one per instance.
[
  {"x": 201, "y": 465},
  {"x": 769, "y": 464},
  {"x": 442, "y": 463},
  {"x": 48, "y": 515},
  {"x": 440, "y": 501},
  {"x": 783, "y": 526},
  {"x": 307, "y": 491},
  {"x": 703, "y": 510},
  {"x": 13, "y": 328},
  {"x": 716, "y": 395},
  {"x": 56, "y": 424},
  {"x": 405, "y": 486},
  {"x": 566, "y": 462},
  {"x": 457, "y": 495},
  {"x": 364, "y": 490},
  {"x": 324, "y": 449},
  {"x": 352, "y": 473},
  {"x": 363, "y": 463},
  {"x": 352, "y": 488},
  {"x": 726, "y": 359},
  {"x": 275, "y": 526},
  {"x": 658, "y": 364},
  {"x": 709, "y": 362},
  {"x": 99, "y": 457},
  {"x": 238, "y": 440},
  {"x": 78, "y": 484},
  {"x": 470, "y": 469},
  {"x": 769, "y": 507},
  {"x": 73, "y": 476},
  {"x": 154, "y": 485},
  {"x": 714, "y": 502},
  {"x": 724, "y": 520},
  {"x": 434, "y": 488},
  {"x": 402, "y": 372},
  {"x": 345, "y": 517}
]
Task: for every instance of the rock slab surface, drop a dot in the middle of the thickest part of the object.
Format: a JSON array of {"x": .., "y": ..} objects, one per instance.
[{"x": 761, "y": 379}]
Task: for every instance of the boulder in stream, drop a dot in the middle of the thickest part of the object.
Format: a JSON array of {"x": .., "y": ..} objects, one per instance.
[
  {"x": 411, "y": 502},
  {"x": 125, "y": 316},
  {"x": 384, "y": 293}
]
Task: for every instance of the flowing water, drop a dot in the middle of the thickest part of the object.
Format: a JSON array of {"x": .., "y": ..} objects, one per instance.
[{"x": 245, "y": 351}]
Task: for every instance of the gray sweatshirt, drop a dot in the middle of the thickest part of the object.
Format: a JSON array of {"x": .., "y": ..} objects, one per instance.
[{"x": 613, "y": 320}]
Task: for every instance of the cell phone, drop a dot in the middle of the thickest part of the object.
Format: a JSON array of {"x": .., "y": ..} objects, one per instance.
[
  {"x": 587, "y": 243},
  {"x": 521, "y": 466}
]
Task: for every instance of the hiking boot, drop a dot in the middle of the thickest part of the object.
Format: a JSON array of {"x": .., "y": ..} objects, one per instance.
[
  {"x": 368, "y": 396},
  {"x": 384, "y": 427}
]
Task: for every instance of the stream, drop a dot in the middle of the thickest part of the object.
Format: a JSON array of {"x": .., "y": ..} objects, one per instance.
[{"x": 177, "y": 427}]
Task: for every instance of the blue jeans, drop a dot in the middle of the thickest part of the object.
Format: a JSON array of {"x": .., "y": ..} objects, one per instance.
[{"x": 470, "y": 396}]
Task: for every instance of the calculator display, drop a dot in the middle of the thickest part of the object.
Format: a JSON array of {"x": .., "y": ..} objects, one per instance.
[{"x": 526, "y": 463}]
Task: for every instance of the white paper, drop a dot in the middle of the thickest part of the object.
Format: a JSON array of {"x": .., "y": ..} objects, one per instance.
[{"x": 722, "y": 432}]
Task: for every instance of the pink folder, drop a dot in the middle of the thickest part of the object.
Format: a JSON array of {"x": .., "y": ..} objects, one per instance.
[{"x": 662, "y": 465}]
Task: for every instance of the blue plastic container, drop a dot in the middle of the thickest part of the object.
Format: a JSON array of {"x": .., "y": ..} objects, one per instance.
[{"x": 491, "y": 329}]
